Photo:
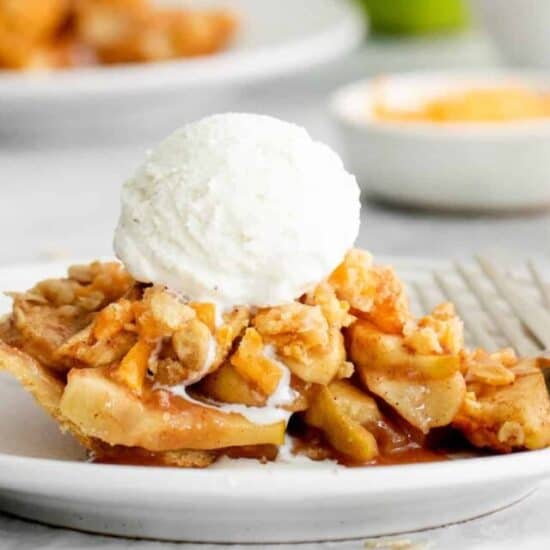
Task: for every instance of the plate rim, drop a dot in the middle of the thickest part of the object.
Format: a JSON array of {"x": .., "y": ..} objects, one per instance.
[{"x": 53, "y": 476}]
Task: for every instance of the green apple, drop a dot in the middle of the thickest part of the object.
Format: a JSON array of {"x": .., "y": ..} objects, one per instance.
[{"x": 415, "y": 16}]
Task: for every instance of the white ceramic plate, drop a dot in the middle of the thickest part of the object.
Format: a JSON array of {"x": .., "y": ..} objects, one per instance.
[
  {"x": 274, "y": 38},
  {"x": 480, "y": 167},
  {"x": 43, "y": 477}
]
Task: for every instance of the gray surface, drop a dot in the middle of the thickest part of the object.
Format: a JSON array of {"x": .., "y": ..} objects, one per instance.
[
  {"x": 66, "y": 203},
  {"x": 57, "y": 202}
]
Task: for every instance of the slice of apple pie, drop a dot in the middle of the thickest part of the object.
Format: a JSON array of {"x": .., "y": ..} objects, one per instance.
[{"x": 140, "y": 375}]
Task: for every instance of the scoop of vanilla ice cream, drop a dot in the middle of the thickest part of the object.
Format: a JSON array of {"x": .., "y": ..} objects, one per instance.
[{"x": 238, "y": 209}]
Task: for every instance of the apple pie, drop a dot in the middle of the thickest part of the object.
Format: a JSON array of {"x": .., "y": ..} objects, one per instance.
[{"x": 140, "y": 375}]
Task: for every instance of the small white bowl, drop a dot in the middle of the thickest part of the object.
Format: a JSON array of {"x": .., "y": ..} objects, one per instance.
[{"x": 501, "y": 166}]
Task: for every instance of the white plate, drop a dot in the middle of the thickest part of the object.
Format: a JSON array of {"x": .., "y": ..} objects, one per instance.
[
  {"x": 274, "y": 38},
  {"x": 43, "y": 477},
  {"x": 480, "y": 167}
]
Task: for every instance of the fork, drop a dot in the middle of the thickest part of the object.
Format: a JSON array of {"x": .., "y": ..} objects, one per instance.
[{"x": 526, "y": 324}]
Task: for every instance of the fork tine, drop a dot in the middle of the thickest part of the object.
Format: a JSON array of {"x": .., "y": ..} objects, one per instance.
[
  {"x": 517, "y": 339},
  {"x": 481, "y": 336},
  {"x": 423, "y": 298},
  {"x": 537, "y": 277},
  {"x": 533, "y": 316}
]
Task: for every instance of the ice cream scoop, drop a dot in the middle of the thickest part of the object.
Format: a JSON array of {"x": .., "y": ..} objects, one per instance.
[{"x": 238, "y": 209}]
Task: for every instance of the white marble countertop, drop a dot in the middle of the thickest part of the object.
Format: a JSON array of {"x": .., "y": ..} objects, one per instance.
[{"x": 59, "y": 201}]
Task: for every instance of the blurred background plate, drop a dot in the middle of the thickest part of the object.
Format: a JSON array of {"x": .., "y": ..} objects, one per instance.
[{"x": 273, "y": 38}]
